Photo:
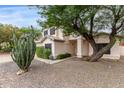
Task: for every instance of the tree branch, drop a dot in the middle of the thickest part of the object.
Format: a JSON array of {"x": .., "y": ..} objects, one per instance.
[
  {"x": 122, "y": 23},
  {"x": 91, "y": 24}
]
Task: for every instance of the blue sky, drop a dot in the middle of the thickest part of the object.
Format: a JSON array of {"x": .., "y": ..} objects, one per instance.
[{"x": 21, "y": 16}]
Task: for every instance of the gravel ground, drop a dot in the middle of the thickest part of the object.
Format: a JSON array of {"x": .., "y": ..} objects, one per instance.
[
  {"x": 72, "y": 73},
  {"x": 5, "y": 57}
]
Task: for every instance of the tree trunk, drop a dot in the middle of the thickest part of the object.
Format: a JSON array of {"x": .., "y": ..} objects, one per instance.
[
  {"x": 92, "y": 42},
  {"x": 100, "y": 53}
]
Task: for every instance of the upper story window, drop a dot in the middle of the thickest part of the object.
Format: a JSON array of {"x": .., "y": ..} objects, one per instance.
[
  {"x": 52, "y": 31},
  {"x": 101, "y": 45},
  {"x": 45, "y": 32}
]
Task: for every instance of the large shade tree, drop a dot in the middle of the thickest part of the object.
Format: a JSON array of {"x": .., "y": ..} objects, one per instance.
[{"x": 85, "y": 21}]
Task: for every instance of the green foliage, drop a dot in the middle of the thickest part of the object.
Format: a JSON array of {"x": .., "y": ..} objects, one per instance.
[
  {"x": 39, "y": 52},
  {"x": 61, "y": 56},
  {"x": 6, "y": 32},
  {"x": 5, "y": 47},
  {"x": 47, "y": 53},
  {"x": 83, "y": 19},
  {"x": 23, "y": 50},
  {"x": 67, "y": 17},
  {"x": 37, "y": 32},
  {"x": 6, "y": 35},
  {"x": 43, "y": 52},
  {"x": 122, "y": 39}
]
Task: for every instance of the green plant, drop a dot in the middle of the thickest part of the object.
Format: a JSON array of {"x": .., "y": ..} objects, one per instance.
[
  {"x": 5, "y": 47},
  {"x": 61, "y": 56},
  {"x": 0, "y": 47},
  {"x": 47, "y": 53},
  {"x": 23, "y": 50},
  {"x": 39, "y": 51},
  {"x": 43, "y": 52}
]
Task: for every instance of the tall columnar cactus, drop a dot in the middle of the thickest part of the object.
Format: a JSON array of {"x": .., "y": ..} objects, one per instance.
[{"x": 23, "y": 50}]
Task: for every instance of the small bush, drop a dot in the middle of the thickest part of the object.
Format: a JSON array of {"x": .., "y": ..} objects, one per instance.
[
  {"x": 61, "y": 56},
  {"x": 39, "y": 52},
  {"x": 47, "y": 53},
  {"x": 43, "y": 52},
  {"x": 5, "y": 47}
]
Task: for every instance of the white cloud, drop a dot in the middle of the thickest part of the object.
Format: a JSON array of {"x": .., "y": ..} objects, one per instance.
[{"x": 19, "y": 16}]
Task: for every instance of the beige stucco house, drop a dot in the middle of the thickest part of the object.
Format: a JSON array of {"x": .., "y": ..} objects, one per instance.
[{"x": 76, "y": 45}]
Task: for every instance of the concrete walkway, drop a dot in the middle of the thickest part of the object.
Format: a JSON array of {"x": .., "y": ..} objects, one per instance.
[{"x": 5, "y": 58}]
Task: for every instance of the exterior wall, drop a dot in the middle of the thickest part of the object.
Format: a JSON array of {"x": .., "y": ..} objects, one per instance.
[
  {"x": 122, "y": 50},
  {"x": 115, "y": 50},
  {"x": 59, "y": 33},
  {"x": 59, "y": 48},
  {"x": 46, "y": 41},
  {"x": 64, "y": 47},
  {"x": 38, "y": 44},
  {"x": 90, "y": 50},
  {"x": 85, "y": 48},
  {"x": 73, "y": 47},
  {"x": 79, "y": 47}
]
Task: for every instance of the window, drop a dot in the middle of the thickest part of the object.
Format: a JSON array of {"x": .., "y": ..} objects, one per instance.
[
  {"x": 101, "y": 45},
  {"x": 45, "y": 32},
  {"x": 48, "y": 46},
  {"x": 52, "y": 31}
]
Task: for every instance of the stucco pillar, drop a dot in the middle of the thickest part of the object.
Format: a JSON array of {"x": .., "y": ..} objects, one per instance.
[
  {"x": 53, "y": 49},
  {"x": 79, "y": 47}
]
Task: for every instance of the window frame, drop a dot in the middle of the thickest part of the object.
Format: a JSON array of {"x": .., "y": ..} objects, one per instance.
[
  {"x": 52, "y": 31},
  {"x": 45, "y": 32},
  {"x": 48, "y": 45}
]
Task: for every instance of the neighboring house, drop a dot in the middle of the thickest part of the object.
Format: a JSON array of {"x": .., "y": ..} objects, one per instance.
[{"x": 77, "y": 45}]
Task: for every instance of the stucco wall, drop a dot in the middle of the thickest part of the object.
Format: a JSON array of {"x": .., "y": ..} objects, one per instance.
[
  {"x": 59, "y": 33},
  {"x": 46, "y": 41},
  {"x": 122, "y": 50},
  {"x": 63, "y": 47},
  {"x": 38, "y": 44},
  {"x": 59, "y": 48},
  {"x": 85, "y": 51},
  {"x": 115, "y": 50}
]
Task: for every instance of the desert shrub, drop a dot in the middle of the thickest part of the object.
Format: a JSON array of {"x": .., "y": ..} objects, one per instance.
[
  {"x": 5, "y": 47},
  {"x": 43, "y": 52},
  {"x": 61, "y": 56}
]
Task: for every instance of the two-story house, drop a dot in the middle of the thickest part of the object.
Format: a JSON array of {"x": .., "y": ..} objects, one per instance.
[{"x": 76, "y": 45}]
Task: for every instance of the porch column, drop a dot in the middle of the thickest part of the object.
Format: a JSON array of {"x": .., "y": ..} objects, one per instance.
[
  {"x": 53, "y": 49},
  {"x": 79, "y": 47}
]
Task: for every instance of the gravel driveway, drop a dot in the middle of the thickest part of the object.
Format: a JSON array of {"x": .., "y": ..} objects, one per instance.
[
  {"x": 72, "y": 73},
  {"x": 5, "y": 57}
]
